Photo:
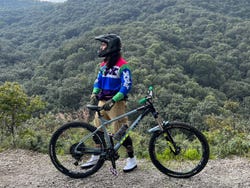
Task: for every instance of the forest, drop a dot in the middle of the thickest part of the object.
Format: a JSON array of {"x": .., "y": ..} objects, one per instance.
[{"x": 195, "y": 53}]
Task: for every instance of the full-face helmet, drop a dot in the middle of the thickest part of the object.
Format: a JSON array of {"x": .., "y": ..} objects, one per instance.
[{"x": 113, "y": 42}]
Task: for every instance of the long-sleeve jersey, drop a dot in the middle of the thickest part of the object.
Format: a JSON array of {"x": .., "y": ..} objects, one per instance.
[{"x": 114, "y": 82}]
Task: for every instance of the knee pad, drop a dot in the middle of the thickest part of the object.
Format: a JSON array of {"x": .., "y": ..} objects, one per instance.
[{"x": 127, "y": 142}]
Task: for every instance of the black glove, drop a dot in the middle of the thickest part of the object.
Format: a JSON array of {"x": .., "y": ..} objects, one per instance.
[
  {"x": 93, "y": 99},
  {"x": 108, "y": 105}
]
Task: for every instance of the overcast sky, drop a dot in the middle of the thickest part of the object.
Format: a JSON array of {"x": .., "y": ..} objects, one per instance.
[{"x": 55, "y": 1}]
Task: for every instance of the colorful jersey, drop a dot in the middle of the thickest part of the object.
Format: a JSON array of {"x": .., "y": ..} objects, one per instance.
[{"x": 114, "y": 82}]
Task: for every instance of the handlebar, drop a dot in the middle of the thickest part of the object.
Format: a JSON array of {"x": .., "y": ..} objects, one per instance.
[
  {"x": 149, "y": 96},
  {"x": 141, "y": 101}
]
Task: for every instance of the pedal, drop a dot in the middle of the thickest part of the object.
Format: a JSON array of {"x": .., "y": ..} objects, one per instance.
[{"x": 113, "y": 171}]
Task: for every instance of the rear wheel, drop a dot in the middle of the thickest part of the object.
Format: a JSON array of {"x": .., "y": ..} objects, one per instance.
[
  {"x": 179, "y": 151},
  {"x": 72, "y": 145}
]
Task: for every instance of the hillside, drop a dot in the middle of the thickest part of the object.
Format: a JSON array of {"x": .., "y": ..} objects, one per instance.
[
  {"x": 195, "y": 53},
  {"x": 48, "y": 47}
]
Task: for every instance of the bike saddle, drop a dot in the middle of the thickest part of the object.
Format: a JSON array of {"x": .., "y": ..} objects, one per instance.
[{"x": 94, "y": 107}]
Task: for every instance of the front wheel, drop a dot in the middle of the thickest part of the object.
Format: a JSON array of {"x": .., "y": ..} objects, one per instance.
[
  {"x": 72, "y": 145},
  {"x": 179, "y": 151}
]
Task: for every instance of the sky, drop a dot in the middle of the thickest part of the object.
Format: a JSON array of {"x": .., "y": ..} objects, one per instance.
[{"x": 55, "y": 1}]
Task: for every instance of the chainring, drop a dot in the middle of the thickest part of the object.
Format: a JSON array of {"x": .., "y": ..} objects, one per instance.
[{"x": 80, "y": 148}]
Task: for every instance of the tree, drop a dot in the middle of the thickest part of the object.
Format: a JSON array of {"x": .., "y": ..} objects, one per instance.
[
  {"x": 236, "y": 90},
  {"x": 203, "y": 69},
  {"x": 16, "y": 107}
]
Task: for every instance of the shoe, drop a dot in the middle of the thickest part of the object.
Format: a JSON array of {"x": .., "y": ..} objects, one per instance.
[
  {"x": 91, "y": 162},
  {"x": 130, "y": 165}
]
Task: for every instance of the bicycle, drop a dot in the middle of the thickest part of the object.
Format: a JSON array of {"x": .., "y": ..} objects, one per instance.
[{"x": 175, "y": 148}]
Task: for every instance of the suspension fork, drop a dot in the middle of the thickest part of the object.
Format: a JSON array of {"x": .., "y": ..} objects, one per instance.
[
  {"x": 172, "y": 145},
  {"x": 161, "y": 124}
]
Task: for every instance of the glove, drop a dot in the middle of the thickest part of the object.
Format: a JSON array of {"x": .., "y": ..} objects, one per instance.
[
  {"x": 93, "y": 99},
  {"x": 108, "y": 105}
]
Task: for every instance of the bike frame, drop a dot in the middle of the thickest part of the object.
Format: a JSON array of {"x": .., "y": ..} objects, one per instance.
[
  {"x": 134, "y": 124},
  {"x": 97, "y": 141},
  {"x": 146, "y": 109}
]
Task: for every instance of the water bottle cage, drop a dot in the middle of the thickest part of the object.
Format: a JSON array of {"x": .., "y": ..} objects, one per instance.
[{"x": 119, "y": 134}]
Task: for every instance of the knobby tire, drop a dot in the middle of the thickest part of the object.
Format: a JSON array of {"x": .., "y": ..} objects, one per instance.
[
  {"x": 188, "y": 158},
  {"x": 62, "y": 145}
]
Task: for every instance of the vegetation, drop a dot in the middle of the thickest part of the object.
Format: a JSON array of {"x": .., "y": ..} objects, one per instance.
[
  {"x": 195, "y": 53},
  {"x": 15, "y": 108}
]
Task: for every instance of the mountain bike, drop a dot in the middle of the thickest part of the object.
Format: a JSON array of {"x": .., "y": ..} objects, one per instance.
[{"x": 175, "y": 148}]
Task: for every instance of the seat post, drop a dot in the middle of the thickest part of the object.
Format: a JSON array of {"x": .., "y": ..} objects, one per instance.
[{"x": 99, "y": 113}]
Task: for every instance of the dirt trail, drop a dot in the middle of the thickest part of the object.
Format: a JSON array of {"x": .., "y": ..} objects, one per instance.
[{"x": 20, "y": 168}]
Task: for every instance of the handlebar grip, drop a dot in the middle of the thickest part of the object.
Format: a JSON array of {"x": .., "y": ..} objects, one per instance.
[
  {"x": 142, "y": 101},
  {"x": 150, "y": 93}
]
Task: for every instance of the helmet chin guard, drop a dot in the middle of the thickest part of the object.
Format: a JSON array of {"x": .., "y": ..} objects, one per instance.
[{"x": 113, "y": 42}]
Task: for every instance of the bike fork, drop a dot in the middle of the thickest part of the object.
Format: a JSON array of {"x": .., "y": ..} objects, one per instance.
[{"x": 173, "y": 147}]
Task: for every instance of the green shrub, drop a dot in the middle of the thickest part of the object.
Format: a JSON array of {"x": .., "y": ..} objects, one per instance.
[
  {"x": 223, "y": 145},
  {"x": 34, "y": 134},
  {"x": 192, "y": 154}
]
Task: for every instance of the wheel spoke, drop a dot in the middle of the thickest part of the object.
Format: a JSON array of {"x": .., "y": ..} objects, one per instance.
[
  {"x": 179, "y": 151},
  {"x": 68, "y": 149}
]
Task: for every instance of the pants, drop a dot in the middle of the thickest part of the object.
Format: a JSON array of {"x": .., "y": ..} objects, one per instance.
[{"x": 118, "y": 109}]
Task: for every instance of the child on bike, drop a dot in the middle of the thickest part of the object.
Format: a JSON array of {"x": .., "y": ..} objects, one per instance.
[{"x": 111, "y": 87}]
